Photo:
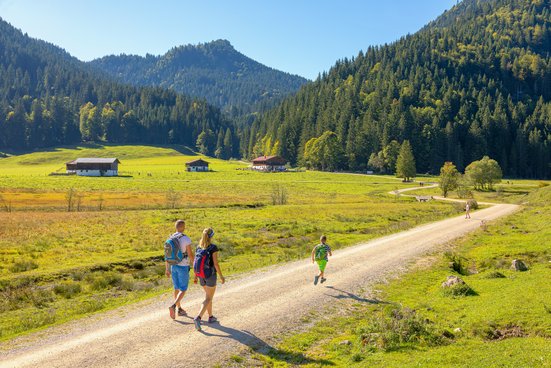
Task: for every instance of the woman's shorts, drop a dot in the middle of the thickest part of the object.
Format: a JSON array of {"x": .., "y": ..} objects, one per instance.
[
  {"x": 180, "y": 277},
  {"x": 209, "y": 281}
]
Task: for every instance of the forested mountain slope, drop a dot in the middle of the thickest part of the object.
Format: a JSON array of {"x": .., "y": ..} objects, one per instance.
[
  {"x": 476, "y": 81},
  {"x": 48, "y": 98}
]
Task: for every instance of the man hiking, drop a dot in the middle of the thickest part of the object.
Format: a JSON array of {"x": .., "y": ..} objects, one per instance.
[
  {"x": 178, "y": 266},
  {"x": 467, "y": 210},
  {"x": 320, "y": 254}
]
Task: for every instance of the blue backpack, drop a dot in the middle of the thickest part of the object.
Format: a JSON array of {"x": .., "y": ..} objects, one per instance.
[
  {"x": 202, "y": 263},
  {"x": 173, "y": 252}
]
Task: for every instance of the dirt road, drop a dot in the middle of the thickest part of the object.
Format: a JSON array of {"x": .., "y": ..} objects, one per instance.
[{"x": 252, "y": 309}]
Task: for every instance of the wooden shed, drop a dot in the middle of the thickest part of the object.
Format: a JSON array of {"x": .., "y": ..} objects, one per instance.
[{"x": 199, "y": 165}]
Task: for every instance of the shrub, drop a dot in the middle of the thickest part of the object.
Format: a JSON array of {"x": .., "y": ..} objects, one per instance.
[
  {"x": 457, "y": 263},
  {"x": 396, "y": 327},
  {"x": 137, "y": 265},
  {"x": 279, "y": 195},
  {"x": 473, "y": 204},
  {"x": 464, "y": 192},
  {"x": 542, "y": 184},
  {"x": 40, "y": 298},
  {"x": 67, "y": 290},
  {"x": 23, "y": 266},
  {"x": 459, "y": 290},
  {"x": 494, "y": 275},
  {"x": 105, "y": 280},
  {"x": 35, "y": 319}
]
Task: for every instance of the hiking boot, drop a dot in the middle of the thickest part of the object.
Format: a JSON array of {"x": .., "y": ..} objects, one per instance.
[
  {"x": 172, "y": 311},
  {"x": 182, "y": 312},
  {"x": 316, "y": 279},
  {"x": 323, "y": 279},
  {"x": 197, "y": 322},
  {"x": 212, "y": 319}
]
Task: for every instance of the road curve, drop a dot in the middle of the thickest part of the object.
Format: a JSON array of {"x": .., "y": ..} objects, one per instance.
[{"x": 252, "y": 309}]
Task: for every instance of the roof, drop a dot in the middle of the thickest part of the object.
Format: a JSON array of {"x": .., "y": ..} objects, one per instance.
[
  {"x": 93, "y": 160},
  {"x": 270, "y": 159},
  {"x": 199, "y": 162}
]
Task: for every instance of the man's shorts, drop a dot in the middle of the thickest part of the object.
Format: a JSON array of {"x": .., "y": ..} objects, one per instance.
[
  {"x": 180, "y": 277},
  {"x": 321, "y": 264},
  {"x": 209, "y": 281}
]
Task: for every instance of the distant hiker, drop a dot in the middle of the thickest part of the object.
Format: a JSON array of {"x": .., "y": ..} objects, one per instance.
[
  {"x": 206, "y": 269},
  {"x": 320, "y": 255},
  {"x": 177, "y": 255},
  {"x": 467, "y": 210}
]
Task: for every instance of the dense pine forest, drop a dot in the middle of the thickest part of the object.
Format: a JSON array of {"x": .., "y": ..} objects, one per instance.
[
  {"x": 215, "y": 71},
  {"x": 48, "y": 98},
  {"x": 475, "y": 82}
]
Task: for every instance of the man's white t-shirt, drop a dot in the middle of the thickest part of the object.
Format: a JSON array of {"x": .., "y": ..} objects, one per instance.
[{"x": 184, "y": 241}]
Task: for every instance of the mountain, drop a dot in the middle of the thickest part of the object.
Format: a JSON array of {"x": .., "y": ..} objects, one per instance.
[
  {"x": 49, "y": 98},
  {"x": 474, "y": 82},
  {"x": 214, "y": 71}
]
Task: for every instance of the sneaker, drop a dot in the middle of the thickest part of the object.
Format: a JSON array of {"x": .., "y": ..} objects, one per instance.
[
  {"x": 323, "y": 280},
  {"x": 212, "y": 319},
  {"x": 316, "y": 278},
  {"x": 182, "y": 312},
  {"x": 172, "y": 311},
  {"x": 197, "y": 322}
]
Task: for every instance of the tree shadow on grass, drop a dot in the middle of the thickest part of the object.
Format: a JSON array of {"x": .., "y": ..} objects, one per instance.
[
  {"x": 259, "y": 346},
  {"x": 348, "y": 295}
]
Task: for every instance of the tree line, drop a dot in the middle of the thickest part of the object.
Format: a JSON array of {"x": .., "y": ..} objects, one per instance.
[{"x": 48, "y": 98}]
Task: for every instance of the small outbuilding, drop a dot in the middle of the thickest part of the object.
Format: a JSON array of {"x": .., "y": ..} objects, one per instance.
[
  {"x": 269, "y": 163},
  {"x": 93, "y": 167},
  {"x": 199, "y": 165}
]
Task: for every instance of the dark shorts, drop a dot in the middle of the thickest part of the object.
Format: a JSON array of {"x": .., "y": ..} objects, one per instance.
[{"x": 209, "y": 281}]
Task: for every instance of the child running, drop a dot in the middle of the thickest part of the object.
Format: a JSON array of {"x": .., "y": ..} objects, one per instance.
[{"x": 320, "y": 254}]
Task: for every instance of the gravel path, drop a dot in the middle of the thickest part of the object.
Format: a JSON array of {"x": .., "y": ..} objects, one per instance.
[{"x": 252, "y": 310}]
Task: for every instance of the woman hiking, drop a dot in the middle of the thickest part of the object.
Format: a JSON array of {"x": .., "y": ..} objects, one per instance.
[{"x": 207, "y": 269}]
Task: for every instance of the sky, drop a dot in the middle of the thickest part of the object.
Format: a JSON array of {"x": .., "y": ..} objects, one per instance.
[{"x": 303, "y": 37}]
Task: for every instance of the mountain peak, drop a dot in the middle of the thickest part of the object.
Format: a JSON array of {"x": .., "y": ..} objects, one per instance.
[{"x": 213, "y": 70}]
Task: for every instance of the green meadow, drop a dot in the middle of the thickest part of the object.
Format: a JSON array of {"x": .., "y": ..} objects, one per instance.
[
  {"x": 57, "y": 265},
  {"x": 501, "y": 319}
]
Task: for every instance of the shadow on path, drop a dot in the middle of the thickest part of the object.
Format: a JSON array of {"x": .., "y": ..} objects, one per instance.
[
  {"x": 348, "y": 295},
  {"x": 258, "y": 345}
]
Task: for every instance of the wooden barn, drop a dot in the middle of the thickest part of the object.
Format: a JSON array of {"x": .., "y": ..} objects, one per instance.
[
  {"x": 93, "y": 167},
  {"x": 269, "y": 163},
  {"x": 199, "y": 165}
]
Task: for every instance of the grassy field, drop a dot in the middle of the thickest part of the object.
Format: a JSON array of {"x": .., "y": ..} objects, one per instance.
[
  {"x": 57, "y": 265},
  {"x": 148, "y": 173},
  {"x": 508, "y": 191},
  {"x": 502, "y": 319}
]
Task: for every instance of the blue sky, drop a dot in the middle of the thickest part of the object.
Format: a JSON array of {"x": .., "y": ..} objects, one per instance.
[{"x": 297, "y": 36}]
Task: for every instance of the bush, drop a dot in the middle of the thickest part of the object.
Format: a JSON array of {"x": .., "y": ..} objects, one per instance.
[
  {"x": 396, "y": 327},
  {"x": 459, "y": 290},
  {"x": 542, "y": 184},
  {"x": 23, "y": 266},
  {"x": 473, "y": 204},
  {"x": 40, "y": 298},
  {"x": 105, "y": 280},
  {"x": 279, "y": 195},
  {"x": 67, "y": 290},
  {"x": 494, "y": 275},
  {"x": 457, "y": 263}
]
